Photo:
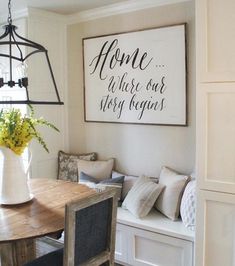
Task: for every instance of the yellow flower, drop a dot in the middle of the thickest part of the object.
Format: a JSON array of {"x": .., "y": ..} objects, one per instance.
[{"x": 16, "y": 131}]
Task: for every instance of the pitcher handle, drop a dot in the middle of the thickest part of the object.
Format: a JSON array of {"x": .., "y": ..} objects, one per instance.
[{"x": 30, "y": 160}]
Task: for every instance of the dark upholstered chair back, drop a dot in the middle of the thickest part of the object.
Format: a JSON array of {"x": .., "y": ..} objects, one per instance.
[{"x": 90, "y": 227}]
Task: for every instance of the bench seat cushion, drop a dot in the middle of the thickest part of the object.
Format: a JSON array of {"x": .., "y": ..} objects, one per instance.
[{"x": 156, "y": 222}]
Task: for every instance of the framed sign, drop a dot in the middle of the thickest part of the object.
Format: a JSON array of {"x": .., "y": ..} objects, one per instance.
[{"x": 136, "y": 77}]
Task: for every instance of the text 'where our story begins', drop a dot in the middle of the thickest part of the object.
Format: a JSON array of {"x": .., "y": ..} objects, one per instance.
[{"x": 122, "y": 90}]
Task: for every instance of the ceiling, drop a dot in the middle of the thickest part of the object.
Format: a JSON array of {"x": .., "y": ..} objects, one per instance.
[{"x": 58, "y": 6}]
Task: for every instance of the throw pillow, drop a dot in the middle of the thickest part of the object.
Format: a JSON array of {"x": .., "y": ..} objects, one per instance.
[
  {"x": 188, "y": 205},
  {"x": 128, "y": 182},
  {"x": 67, "y": 164},
  {"x": 98, "y": 169},
  {"x": 84, "y": 178},
  {"x": 169, "y": 201},
  {"x": 96, "y": 184},
  {"x": 142, "y": 196}
]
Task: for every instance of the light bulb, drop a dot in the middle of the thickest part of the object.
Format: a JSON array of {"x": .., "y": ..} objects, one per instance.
[
  {"x": 3, "y": 71},
  {"x": 22, "y": 70}
]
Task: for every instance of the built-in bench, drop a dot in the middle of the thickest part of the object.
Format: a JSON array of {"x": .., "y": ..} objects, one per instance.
[{"x": 152, "y": 241}]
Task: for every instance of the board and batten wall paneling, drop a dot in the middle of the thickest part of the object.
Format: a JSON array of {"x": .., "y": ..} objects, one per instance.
[
  {"x": 216, "y": 137},
  {"x": 138, "y": 149},
  {"x": 215, "y": 131},
  {"x": 217, "y": 57},
  {"x": 50, "y": 31}
]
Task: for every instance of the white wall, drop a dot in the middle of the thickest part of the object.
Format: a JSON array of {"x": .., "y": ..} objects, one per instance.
[
  {"x": 138, "y": 149},
  {"x": 49, "y": 30}
]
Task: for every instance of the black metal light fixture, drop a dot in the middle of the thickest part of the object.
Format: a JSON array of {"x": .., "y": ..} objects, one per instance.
[{"x": 15, "y": 42}]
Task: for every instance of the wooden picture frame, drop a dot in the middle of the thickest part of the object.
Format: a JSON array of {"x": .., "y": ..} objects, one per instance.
[{"x": 136, "y": 77}]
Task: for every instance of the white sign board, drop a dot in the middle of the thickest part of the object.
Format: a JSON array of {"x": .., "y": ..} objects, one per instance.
[{"x": 136, "y": 77}]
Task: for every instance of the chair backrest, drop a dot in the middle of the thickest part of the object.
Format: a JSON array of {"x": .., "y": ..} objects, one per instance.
[{"x": 90, "y": 228}]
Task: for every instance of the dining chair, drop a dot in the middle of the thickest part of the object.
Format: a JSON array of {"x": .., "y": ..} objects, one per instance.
[{"x": 90, "y": 228}]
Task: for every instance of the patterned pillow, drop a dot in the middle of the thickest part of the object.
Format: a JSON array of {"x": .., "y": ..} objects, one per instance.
[
  {"x": 188, "y": 205},
  {"x": 67, "y": 164}
]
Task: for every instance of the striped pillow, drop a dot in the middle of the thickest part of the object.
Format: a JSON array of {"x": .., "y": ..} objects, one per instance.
[{"x": 142, "y": 196}]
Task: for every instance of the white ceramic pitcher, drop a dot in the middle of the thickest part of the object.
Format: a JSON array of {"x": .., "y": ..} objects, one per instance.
[{"x": 14, "y": 178}]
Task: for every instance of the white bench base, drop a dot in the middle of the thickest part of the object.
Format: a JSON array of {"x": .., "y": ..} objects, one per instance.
[{"x": 152, "y": 241}]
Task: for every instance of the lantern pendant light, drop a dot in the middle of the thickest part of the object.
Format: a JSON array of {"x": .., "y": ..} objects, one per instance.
[{"x": 13, "y": 44}]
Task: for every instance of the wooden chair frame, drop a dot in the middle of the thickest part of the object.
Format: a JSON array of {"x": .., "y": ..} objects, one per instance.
[{"x": 70, "y": 213}]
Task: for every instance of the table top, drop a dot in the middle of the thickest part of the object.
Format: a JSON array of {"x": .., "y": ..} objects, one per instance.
[{"x": 44, "y": 214}]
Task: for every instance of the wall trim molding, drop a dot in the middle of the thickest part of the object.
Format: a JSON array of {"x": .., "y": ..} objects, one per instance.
[
  {"x": 34, "y": 12},
  {"x": 46, "y": 15},
  {"x": 96, "y": 13},
  {"x": 119, "y": 8}
]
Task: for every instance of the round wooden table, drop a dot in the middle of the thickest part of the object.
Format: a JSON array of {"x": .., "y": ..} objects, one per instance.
[{"x": 43, "y": 215}]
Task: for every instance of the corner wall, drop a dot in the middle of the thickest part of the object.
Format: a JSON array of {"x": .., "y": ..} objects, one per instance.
[
  {"x": 49, "y": 30},
  {"x": 138, "y": 149}
]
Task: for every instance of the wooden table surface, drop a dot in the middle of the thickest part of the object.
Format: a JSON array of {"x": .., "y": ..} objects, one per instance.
[{"x": 43, "y": 215}]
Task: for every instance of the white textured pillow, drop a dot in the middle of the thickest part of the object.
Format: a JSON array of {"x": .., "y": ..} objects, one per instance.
[
  {"x": 142, "y": 196},
  {"x": 98, "y": 169},
  {"x": 188, "y": 205},
  {"x": 169, "y": 201}
]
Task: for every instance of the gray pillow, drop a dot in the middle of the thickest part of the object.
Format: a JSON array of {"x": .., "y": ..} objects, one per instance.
[
  {"x": 67, "y": 164},
  {"x": 169, "y": 201},
  {"x": 95, "y": 183},
  {"x": 142, "y": 196},
  {"x": 84, "y": 178}
]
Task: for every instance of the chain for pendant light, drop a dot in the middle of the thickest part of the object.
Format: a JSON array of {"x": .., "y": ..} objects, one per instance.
[{"x": 9, "y": 19}]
